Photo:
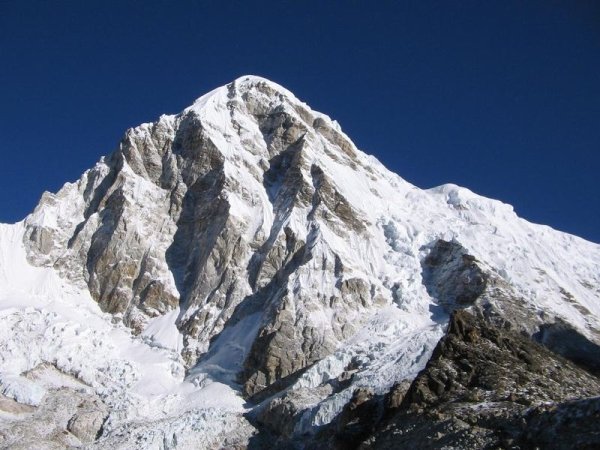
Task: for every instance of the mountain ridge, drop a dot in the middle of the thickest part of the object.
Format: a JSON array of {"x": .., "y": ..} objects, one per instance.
[{"x": 250, "y": 243}]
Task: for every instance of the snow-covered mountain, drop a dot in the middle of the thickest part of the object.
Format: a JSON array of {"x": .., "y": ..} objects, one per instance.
[{"x": 243, "y": 265}]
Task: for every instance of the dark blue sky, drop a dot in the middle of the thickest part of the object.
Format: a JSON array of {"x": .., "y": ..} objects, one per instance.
[{"x": 501, "y": 97}]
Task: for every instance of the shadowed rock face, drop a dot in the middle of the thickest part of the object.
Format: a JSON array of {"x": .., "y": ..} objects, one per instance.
[
  {"x": 569, "y": 425},
  {"x": 452, "y": 276},
  {"x": 563, "y": 339}
]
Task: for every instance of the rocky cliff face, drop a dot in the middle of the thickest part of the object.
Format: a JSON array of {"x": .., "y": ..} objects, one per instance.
[{"x": 294, "y": 268}]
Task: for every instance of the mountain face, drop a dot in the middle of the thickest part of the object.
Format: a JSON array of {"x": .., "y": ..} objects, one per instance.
[{"x": 240, "y": 274}]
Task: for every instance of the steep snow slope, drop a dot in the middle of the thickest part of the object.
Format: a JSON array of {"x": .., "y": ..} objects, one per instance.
[{"x": 248, "y": 244}]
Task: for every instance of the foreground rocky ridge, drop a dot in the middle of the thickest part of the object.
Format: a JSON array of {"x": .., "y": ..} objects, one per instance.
[
  {"x": 490, "y": 388},
  {"x": 249, "y": 243}
]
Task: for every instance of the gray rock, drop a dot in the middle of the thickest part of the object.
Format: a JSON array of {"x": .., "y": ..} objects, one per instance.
[
  {"x": 87, "y": 423},
  {"x": 452, "y": 276}
]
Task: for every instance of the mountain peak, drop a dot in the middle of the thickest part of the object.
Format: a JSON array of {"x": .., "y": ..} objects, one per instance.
[
  {"x": 244, "y": 85},
  {"x": 253, "y": 80},
  {"x": 250, "y": 241}
]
